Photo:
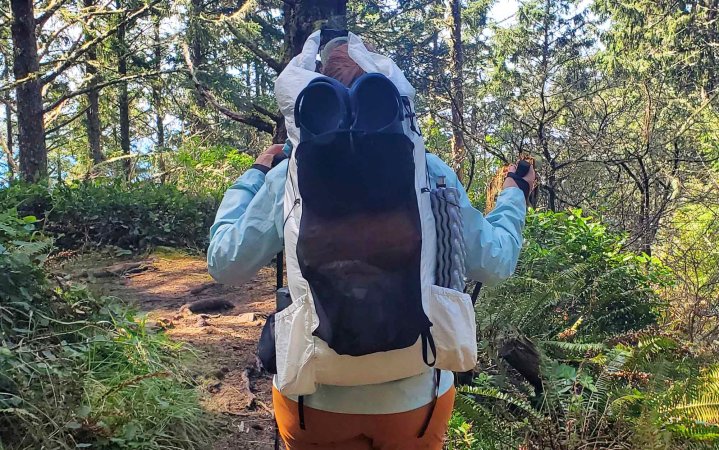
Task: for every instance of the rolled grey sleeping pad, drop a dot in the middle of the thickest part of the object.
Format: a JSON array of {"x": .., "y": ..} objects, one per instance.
[{"x": 451, "y": 250}]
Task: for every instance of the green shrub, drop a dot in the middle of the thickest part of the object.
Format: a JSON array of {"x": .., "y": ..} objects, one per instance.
[
  {"x": 132, "y": 217},
  {"x": 204, "y": 170},
  {"x": 641, "y": 394},
  {"x": 78, "y": 371},
  {"x": 575, "y": 278},
  {"x": 609, "y": 378}
]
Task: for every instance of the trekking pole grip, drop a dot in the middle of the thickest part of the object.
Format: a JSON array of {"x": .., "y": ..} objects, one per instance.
[
  {"x": 523, "y": 168},
  {"x": 518, "y": 177}
]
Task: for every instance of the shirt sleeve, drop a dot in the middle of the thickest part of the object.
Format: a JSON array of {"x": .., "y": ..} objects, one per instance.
[
  {"x": 248, "y": 227},
  {"x": 493, "y": 242}
]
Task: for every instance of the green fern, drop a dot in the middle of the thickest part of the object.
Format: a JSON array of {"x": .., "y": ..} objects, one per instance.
[
  {"x": 575, "y": 348},
  {"x": 697, "y": 431},
  {"x": 700, "y": 403},
  {"x": 472, "y": 410},
  {"x": 495, "y": 394}
]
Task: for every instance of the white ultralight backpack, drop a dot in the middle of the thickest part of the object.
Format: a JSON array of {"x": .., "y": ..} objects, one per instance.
[{"x": 365, "y": 308}]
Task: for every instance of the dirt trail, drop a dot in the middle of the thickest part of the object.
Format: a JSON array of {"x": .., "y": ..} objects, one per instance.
[{"x": 237, "y": 391}]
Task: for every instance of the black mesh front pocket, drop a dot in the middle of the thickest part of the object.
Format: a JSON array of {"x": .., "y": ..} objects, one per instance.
[{"x": 360, "y": 242}]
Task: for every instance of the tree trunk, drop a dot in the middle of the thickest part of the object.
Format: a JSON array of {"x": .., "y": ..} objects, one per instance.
[
  {"x": 8, "y": 130},
  {"x": 302, "y": 18},
  {"x": 93, "y": 125},
  {"x": 198, "y": 124},
  {"x": 31, "y": 127},
  {"x": 8, "y": 144},
  {"x": 456, "y": 55},
  {"x": 647, "y": 231},
  {"x": 258, "y": 79},
  {"x": 157, "y": 100},
  {"x": 93, "y": 103},
  {"x": 551, "y": 190},
  {"x": 197, "y": 47},
  {"x": 123, "y": 97}
]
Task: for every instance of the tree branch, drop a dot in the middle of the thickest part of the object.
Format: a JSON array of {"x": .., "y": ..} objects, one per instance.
[
  {"x": 265, "y": 112},
  {"x": 102, "y": 85},
  {"x": 633, "y": 176},
  {"x": 275, "y": 65},
  {"x": 12, "y": 164},
  {"x": 47, "y": 14},
  {"x": 68, "y": 121},
  {"x": 71, "y": 59},
  {"x": 251, "y": 120},
  {"x": 268, "y": 28},
  {"x": 9, "y": 103}
]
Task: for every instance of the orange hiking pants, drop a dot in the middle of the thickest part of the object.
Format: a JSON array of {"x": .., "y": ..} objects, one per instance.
[{"x": 326, "y": 430}]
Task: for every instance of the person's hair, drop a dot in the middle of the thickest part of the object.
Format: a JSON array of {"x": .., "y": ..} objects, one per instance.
[{"x": 341, "y": 67}]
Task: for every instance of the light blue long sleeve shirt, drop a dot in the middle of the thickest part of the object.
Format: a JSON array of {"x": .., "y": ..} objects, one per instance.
[{"x": 248, "y": 233}]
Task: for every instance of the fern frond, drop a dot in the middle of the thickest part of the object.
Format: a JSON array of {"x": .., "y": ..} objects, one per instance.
[
  {"x": 691, "y": 409},
  {"x": 655, "y": 344},
  {"x": 473, "y": 411},
  {"x": 705, "y": 409},
  {"x": 696, "y": 431},
  {"x": 626, "y": 400},
  {"x": 612, "y": 315},
  {"x": 495, "y": 394},
  {"x": 575, "y": 272},
  {"x": 616, "y": 359},
  {"x": 575, "y": 347}
]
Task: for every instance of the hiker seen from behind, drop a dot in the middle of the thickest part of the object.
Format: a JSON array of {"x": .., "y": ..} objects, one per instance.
[{"x": 379, "y": 237}]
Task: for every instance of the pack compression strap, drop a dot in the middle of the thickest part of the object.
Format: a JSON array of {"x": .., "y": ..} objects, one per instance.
[
  {"x": 280, "y": 282},
  {"x": 435, "y": 397},
  {"x": 475, "y": 292},
  {"x": 280, "y": 270},
  {"x": 428, "y": 344},
  {"x": 278, "y": 158},
  {"x": 301, "y": 411},
  {"x": 277, "y": 435}
]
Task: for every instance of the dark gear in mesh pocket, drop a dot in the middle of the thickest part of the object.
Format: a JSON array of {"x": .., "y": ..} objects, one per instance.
[{"x": 360, "y": 241}]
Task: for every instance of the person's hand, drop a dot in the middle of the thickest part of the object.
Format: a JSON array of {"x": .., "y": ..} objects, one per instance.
[
  {"x": 530, "y": 178},
  {"x": 265, "y": 158}
]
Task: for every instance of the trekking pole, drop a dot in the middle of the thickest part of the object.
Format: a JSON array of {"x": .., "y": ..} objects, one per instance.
[
  {"x": 523, "y": 166},
  {"x": 280, "y": 279},
  {"x": 282, "y": 294},
  {"x": 466, "y": 378}
]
